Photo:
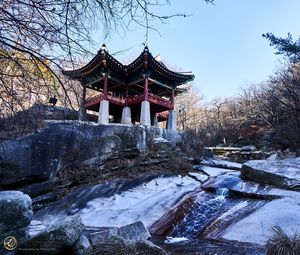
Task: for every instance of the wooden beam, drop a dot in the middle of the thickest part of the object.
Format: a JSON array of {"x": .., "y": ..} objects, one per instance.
[
  {"x": 117, "y": 80},
  {"x": 160, "y": 83},
  {"x": 95, "y": 81},
  {"x": 135, "y": 82}
]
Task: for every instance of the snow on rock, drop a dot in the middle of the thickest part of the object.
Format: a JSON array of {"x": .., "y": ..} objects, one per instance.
[
  {"x": 160, "y": 140},
  {"x": 281, "y": 173},
  {"x": 214, "y": 162},
  {"x": 256, "y": 227},
  {"x": 35, "y": 227},
  {"x": 147, "y": 203},
  {"x": 199, "y": 177},
  {"x": 213, "y": 171},
  {"x": 223, "y": 181},
  {"x": 114, "y": 205},
  {"x": 175, "y": 239}
]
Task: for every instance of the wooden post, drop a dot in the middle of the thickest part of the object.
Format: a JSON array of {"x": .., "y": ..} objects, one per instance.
[
  {"x": 83, "y": 96},
  {"x": 105, "y": 89},
  {"x": 126, "y": 99},
  {"x": 146, "y": 88},
  {"x": 172, "y": 98}
]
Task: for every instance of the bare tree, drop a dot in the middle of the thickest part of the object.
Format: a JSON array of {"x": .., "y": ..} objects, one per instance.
[{"x": 188, "y": 107}]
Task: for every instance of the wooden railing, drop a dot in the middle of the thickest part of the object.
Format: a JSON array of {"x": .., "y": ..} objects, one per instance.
[
  {"x": 96, "y": 100},
  {"x": 131, "y": 100},
  {"x": 160, "y": 101}
]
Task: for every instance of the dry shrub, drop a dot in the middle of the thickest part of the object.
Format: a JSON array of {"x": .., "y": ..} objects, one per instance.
[
  {"x": 192, "y": 143},
  {"x": 280, "y": 243}
]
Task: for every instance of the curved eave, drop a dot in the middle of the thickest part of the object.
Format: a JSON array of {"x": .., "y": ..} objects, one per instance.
[
  {"x": 94, "y": 65},
  {"x": 136, "y": 67},
  {"x": 177, "y": 78}
]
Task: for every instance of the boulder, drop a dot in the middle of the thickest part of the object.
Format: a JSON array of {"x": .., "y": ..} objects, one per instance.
[
  {"x": 131, "y": 233},
  {"x": 62, "y": 235},
  {"x": 219, "y": 182},
  {"x": 281, "y": 173},
  {"x": 102, "y": 235},
  {"x": 82, "y": 246},
  {"x": 15, "y": 216},
  {"x": 148, "y": 248},
  {"x": 134, "y": 232},
  {"x": 117, "y": 245},
  {"x": 15, "y": 210}
]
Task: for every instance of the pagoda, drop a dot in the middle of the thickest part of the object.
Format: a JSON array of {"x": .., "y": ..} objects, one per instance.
[{"x": 141, "y": 92}]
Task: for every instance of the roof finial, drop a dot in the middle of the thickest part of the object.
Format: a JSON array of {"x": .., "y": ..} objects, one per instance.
[
  {"x": 146, "y": 47},
  {"x": 103, "y": 47}
]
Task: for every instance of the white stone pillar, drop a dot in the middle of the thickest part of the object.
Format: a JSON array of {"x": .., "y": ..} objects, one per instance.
[
  {"x": 172, "y": 120},
  {"x": 145, "y": 118},
  {"x": 126, "y": 115},
  {"x": 103, "y": 117}
]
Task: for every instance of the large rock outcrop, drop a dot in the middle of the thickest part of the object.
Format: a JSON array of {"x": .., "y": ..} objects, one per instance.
[
  {"x": 280, "y": 173},
  {"x": 40, "y": 156}
]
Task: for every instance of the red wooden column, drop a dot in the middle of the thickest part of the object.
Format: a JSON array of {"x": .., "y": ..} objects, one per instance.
[
  {"x": 105, "y": 88},
  {"x": 146, "y": 82},
  {"x": 126, "y": 96},
  {"x": 103, "y": 117},
  {"x": 83, "y": 99},
  {"x": 172, "y": 98}
]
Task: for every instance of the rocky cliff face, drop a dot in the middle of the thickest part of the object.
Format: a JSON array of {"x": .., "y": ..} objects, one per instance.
[{"x": 40, "y": 156}]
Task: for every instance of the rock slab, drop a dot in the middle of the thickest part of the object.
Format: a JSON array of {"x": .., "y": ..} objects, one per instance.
[{"x": 281, "y": 173}]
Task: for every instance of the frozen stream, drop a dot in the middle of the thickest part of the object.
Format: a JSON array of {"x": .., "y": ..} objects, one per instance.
[{"x": 117, "y": 204}]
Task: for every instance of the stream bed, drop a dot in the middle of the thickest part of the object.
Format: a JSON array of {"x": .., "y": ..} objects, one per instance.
[{"x": 189, "y": 237}]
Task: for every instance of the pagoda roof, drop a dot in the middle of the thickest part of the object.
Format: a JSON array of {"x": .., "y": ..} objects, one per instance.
[{"x": 145, "y": 63}]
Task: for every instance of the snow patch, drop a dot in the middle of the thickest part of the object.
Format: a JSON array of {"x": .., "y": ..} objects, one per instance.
[
  {"x": 221, "y": 163},
  {"x": 175, "y": 239}
]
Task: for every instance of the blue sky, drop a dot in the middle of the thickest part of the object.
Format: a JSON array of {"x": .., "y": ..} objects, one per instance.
[{"x": 221, "y": 44}]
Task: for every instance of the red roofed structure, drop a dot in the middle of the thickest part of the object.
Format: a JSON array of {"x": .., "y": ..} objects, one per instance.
[{"x": 142, "y": 91}]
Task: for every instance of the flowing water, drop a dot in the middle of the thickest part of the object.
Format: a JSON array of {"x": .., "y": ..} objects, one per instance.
[
  {"x": 186, "y": 237},
  {"x": 207, "y": 208}
]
